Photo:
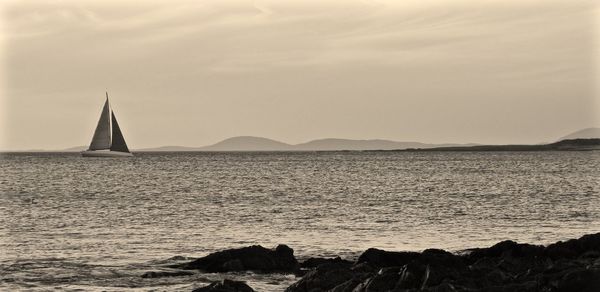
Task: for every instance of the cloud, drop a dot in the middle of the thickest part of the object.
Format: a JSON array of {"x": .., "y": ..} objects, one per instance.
[
  {"x": 263, "y": 34},
  {"x": 246, "y": 36}
]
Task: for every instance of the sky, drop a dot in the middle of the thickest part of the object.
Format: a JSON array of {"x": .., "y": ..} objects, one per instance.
[{"x": 193, "y": 73}]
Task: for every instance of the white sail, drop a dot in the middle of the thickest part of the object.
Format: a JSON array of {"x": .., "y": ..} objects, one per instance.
[{"x": 102, "y": 135}]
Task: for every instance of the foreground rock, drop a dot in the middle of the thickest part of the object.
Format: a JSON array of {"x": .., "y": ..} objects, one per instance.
[
  {"x": 225, "y": 286},
  {"x": 253, "y": 258},
  {"x": 315, "y": 262},
  {"x": 572, "y": 265}
]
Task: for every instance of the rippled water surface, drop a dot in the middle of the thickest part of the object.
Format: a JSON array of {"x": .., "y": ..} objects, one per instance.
[{"x": 98, "y": 224}]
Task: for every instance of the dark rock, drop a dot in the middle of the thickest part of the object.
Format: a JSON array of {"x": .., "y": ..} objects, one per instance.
[
  {"x": 445, "y": 287},
  {"x": 233, "y": 265},
  {"x": 574, "y": 247},
  {"x": 315, "y": 262},
  {"x": 381, "y": 258},
  {"x": 582, "y": 280},
  {"x": 515, "y": 287},
  {"x": 442, "y": 263},
  {"x": 573, "y": 265},
  {"x": 497, "y": 277},
  {"x": 438, "y": 257},
  {"x": 413, "y": 276},
  {"x": 350, "y": 285},
  {"x": 561, "y": 250},
  {"x": 507, "y": 248},
  {"x": 323, "y": 278},
  {"x": 485, "y": 265},
  {"x": 225, "y": 286},
  {"x": 384, "y": 280},
  {"x": 161, "y": 274},
  {"x": 363, "y": 268},
  {"x": 253, "y": 258}
]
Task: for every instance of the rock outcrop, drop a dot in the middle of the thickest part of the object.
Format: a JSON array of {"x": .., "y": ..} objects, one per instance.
[
  {"x": 253, "y": 258},
  {"x": 315, "y": 262},
  {"x": 573, "y": 265}
]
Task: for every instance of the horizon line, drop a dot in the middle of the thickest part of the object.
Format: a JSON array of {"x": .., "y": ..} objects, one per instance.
[{"x": 290, "y": 144}]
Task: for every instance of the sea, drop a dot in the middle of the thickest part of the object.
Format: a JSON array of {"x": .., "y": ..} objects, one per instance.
[{"x": 95, "y": 224}]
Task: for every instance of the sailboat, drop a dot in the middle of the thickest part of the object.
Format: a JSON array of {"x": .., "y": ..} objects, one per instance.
[{"x": 108, "y": 140}]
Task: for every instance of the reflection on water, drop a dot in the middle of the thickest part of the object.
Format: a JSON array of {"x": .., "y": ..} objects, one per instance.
[{"x": 89, "y": 223}]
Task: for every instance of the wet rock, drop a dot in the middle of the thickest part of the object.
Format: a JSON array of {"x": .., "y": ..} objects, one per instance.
[
  {"x": 442, "y": 264},
  {"x": 323, "y": 278},
  {"x": 381, "y": 258},
  {"x": 253, "y": 258},
  {"x": 162, "y": 274},
  {"x": 515, "y": 287},
  {"x": 225, "y": 286},
  {"x": 484, "y": 265},
  {"x": 410, "y": 277},
  {"x": 507, "y": 248},
  {"x": 573, "y": 265},
  {"x": 315, "y": 262},
  {"x": 410, "y": 270},
  {"x": 582, "y": 280},
  {"x": 363, "y": 268},
  {"x": 350, "y": 285},
  {"x": 385, "y": 280},
  {"x": 445, "y": 287},
  {"x": 574, "y": 247},
  {"x": 497, "y": 277}
]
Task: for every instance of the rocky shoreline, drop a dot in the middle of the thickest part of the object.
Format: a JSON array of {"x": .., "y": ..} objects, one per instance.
[{"x": 572, "y": 265}]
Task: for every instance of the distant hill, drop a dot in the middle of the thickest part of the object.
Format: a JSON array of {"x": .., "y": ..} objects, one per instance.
[
  {"x": 589, "y": 133},
  {"x": 376, "y": 144},
  {"x": 168, "y": 149},
  {"x": 347, "y": 144},
  {"x": 247, "y": 143}
]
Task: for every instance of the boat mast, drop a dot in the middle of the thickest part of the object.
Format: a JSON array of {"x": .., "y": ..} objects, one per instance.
[{"x": 110, "y": 121}]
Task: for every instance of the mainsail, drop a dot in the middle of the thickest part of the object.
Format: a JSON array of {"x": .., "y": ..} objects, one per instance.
[
  {"x": 118, "y": 142},
  {"x": 101, "y": 139}
]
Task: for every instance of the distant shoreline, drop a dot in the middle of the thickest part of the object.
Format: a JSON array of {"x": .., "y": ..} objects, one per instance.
[
  {"x": 563, "y": 145},
  {"x": 502, "y": 148}
]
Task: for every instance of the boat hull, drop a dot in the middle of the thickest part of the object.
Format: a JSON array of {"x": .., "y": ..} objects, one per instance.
[{"x": 103, "y": 153}]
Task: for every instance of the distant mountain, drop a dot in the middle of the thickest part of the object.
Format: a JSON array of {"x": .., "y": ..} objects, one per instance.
[
  {"x": 247, "y": 143},
  {"x": 347, "y": 144},
  {"x": 589, "y": 133},
  {"x": 168, "y": 149},
  {"x": 376, "y": 144}
]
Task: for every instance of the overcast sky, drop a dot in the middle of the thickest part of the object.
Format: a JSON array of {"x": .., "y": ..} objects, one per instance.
[{"x": 195, "y": 72}]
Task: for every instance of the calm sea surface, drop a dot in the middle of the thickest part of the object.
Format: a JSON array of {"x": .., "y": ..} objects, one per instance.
[{"x": 98, "y": 224}]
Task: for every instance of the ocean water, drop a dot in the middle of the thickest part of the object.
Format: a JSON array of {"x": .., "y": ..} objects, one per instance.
[{"x": 98, "y": 224}]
